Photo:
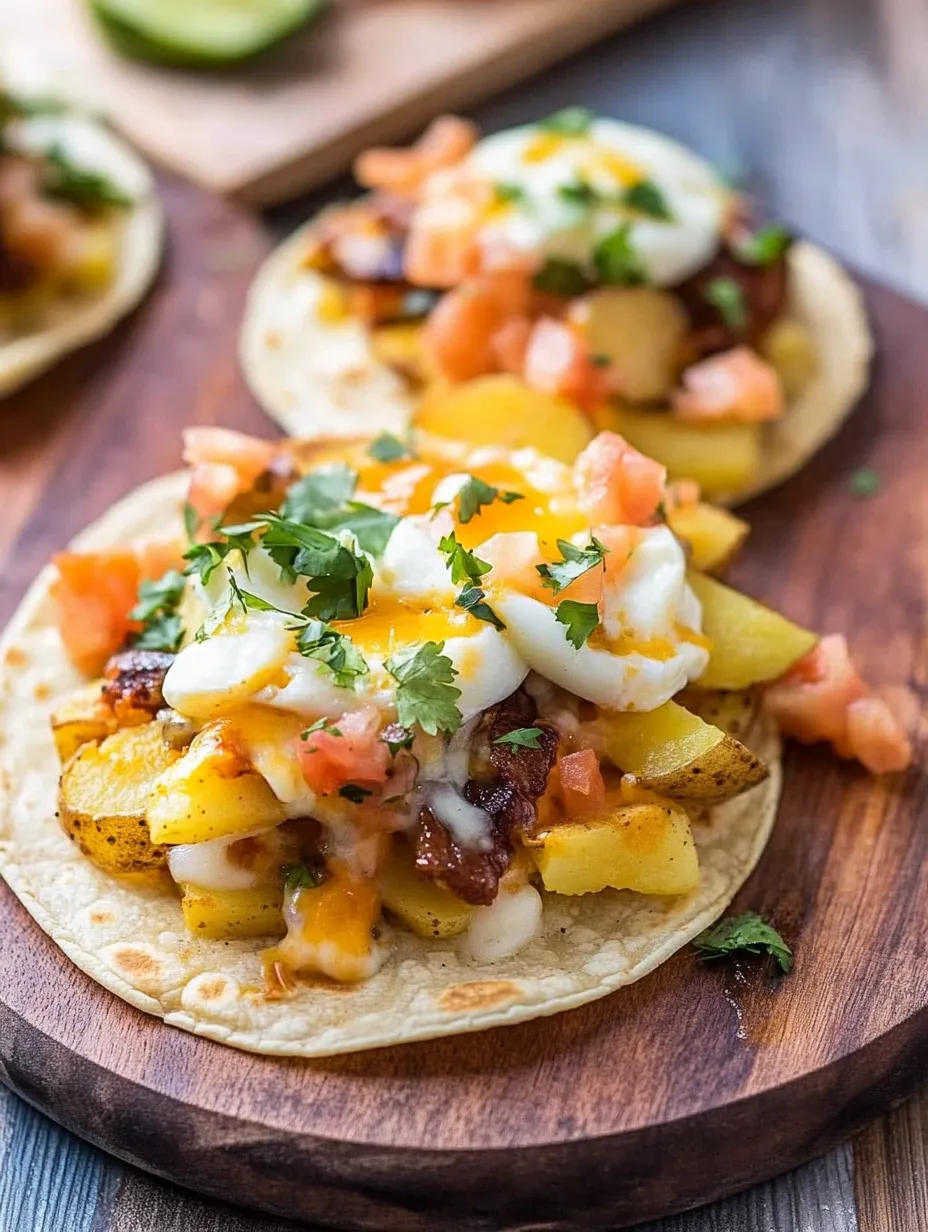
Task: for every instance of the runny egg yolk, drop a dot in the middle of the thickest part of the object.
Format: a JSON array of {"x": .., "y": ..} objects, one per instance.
[{"x": 388, "y": 625}]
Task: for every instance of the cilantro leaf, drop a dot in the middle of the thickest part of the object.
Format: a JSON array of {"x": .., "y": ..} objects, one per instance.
[
  {"x": 571, "y": 121},
  {"x": 322, "y": 725},
  {"x": 354, "y": 793},
  {"x": 579, "y": 193},
  {"x": 322, "y": 500},
  {"x": 426, "y": 693},
  {"x": 647, "y": 198},
  {"x": 472, "y": 599},
  {"x": 764, "y": 247},
  {"x": 301, "y": 877},
  {"x": 191, "y": 521},
  {"x": 157, "y": 610},
  {"x": 507, "y": 193},
  {"x": 580, "y": 618},
  {"x": 388, "y": 448},
  {"x": 317, "y": 640},
  {"x": 521, "y": 738},
  {"x": 205, "y": 558},
  {"x": 86, "y": 189},
  {"x": 339, "y": 577},
  {"x": 615, "y": 258},
  {"x": 749, "y": 933},
  {"x": 558, "y": 276},
  {"x": 463, "y": 564},
  {"x": 726, "y": 295},
  {"x": 574, "y": 563},
  {"x": 863, "y": 483},
  {"x": 395, "y": 736},
  {"x": 475, "y": 494}
]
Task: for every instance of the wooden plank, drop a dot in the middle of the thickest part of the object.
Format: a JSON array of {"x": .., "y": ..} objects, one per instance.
[
  {"x": 891, "y": 1170},
  {"x": 300, "y": 115}
]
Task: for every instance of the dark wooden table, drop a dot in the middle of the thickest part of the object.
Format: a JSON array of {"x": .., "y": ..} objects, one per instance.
[{"x": 822, "y": 107}]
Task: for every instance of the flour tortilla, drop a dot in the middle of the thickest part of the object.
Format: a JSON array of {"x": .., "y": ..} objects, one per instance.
[
  {"x": 131, "y": 939},
  {"x": 74, "y": 322},
  {"x": 321, "y": 379}
]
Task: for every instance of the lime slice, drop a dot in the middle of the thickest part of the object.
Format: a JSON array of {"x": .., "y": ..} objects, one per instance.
[{"x": 200, "y": 33}]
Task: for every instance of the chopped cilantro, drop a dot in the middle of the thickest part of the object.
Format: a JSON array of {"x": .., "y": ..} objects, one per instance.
[
  {"x": 507, "y": 193},
  {"x": 580, "y": 618},
  {"x": 615, "y": 258},
  {"x": 647, "y": 198},
  {"x": 395, "y": 736},
  {"x": 191, "y": 521},
  {"x": 322, "y": 725},
  {"x": 472, "y": 599},
  {"x": 323, "y": 500},
  {"x": 354, "y": 793},
  {"x": 764, "y": 247},
  {"x": 571, "y": 121},
  {"x": 157, "y": 610},
  {"x": 88, "y": 190},
  {"x": 475, "y": 494},
  {"x": 205, "y": 558},
  {"x": 464, "y": 565},
  {"x": 388, "y": 448},
  {"x": 249, "y": 602},
  {"x": 559, "y": 276},
  {"x": 579, "y": 193},
  {"x": 749, "y": 933},
  {"x": 726, "y": 295},
  {"x": 339, "y": 576},
  {"x": 426, "y": 693},
  {"x": 317, "y": 640},
  {"x": 521, "y": 738},
  {"x": 574, "y": 563},
  {"x": 301, "y": 877},
  {"x": 864, "y": 483}
]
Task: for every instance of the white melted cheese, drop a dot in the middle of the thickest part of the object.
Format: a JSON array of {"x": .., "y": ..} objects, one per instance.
[
  {"x": 209, "y": 866},
  {"x": 506, "y": 926}
]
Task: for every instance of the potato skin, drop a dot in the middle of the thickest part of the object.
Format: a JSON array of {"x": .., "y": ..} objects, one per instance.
[
  {"x": 641, "y": 331},
  {"x": 229, "y": 915},
  {"x": 84, "y": 718},
  {"x": 102, "y": 797},
  {"x": 426, "y": 908},
  {"x": 712, "y": 535}
]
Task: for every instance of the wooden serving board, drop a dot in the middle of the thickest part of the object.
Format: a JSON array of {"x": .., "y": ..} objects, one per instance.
[
  {"x": 369, "y": 71},
  {"x": 691, "y": 1084}
]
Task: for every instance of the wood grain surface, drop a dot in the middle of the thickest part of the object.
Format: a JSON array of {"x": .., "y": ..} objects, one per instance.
[
  {"x": 302, "y": 112},
  {"x": 823, "y": 104}
]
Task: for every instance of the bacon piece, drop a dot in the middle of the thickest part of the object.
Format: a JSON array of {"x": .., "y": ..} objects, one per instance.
[
  {"x": 134, "y": 679},
  {"x": 822, "y": 697},
  {"x": 617, "y": 485},
  {"x": 736, "y": 385}
]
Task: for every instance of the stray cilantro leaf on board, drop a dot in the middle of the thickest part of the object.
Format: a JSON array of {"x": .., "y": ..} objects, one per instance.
[
  {"x": 474, "y": 494},
  {"x": 616, "y": 261},
  {"x": 580, "y": 618},
  {"x": 354, "y": 793},
  {"x": 521, "y": 738},
  {"x": 762, "y": 247},
  {"x": 426, "y": 693},
  {"x": 864, "y": 483},
  {"x": 647, "y": 198},
  {"x": 750, "y": 934},
  {"x": 558, "y": 276},
  {"x": 576, "y": 561},
  {"x": 726, "y": 295},
  {"x": 570, "y": 121},
  {"x": 157, "y": 611},
  {"x": 472, "y": 599},
  {"x": 464, "y": 565},
  {"x": 389, "y": 448}
]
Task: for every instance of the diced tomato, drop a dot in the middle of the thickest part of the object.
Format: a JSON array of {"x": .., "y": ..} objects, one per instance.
[
  {"x": 557, "y": 361},
  {"x": 581, "y": 784},
  {"x": 224, "y": 463},
  {"x": 402, "y": 171},
  {"x": 736, "y": 385},
  {"x": 510, "y": 343},
  {"x": 358, "y": 755},
  {"x": 462, "y": 331},
  {"x": 617, "y": 485},
  {"x": 822, "y": 697}
]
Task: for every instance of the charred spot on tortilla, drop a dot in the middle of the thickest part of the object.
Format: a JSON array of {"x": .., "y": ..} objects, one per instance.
[{"x": 478, "y": 995}]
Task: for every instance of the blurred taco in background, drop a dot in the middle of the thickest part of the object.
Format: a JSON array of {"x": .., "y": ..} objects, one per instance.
[
  {"x": 555, "y": 279},
  {"x": 80, "y": 233}
]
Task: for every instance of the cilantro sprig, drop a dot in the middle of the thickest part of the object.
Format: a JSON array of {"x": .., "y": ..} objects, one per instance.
[
  {"x": 426, "y": 693},
  {"x": 90, "y": 191},
  {"x": 474, "y": 494},
  {"x": 323, "y": 500},
  {"x": 749, "y": 934},
  {"x": 573, "y": 564},
  {"x": 338, "y": 653},
  {"x": 320, "y": 725},
  {"x": 389, "y": 448},
  {"x": 473, "y": 600},
  {"x": 559, "y": 276},
  {"x": 157, "y": 609},
  {"x": 726, "y": 295},
  {"x": 521, "y": 738},
  {"x": 615, "y": 258},
  {"x": 764, "y": 246},
  {"x": 580, "y": 618},
  {"x": 464, "y": 565},
  {"x": 569, "y": 121},
  {"x": 647, "y": 198}
]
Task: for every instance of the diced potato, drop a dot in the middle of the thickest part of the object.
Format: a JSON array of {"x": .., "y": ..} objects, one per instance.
[
  {"x": 502, "y": 410},
  {"x": 227, "y": 915},
  {"x": 643, "y": 847},
  {"x": 713, "y": 535},
  {"x": 732, "y": 712},
  {"x": 424, "y": 907},
  {"x": 84, "y": 718},
  {"x": 212, "y": 791},
  {"x": 722, "y": 458},
  {"x": 677, "y": 754},
  {"x": 93, "y": 264},
  {"x": 788, "y": 345},
  {"x": 103, "y": 794},
  {"x": 750, "y": 643},
  {"x": 399, "y": 346},
  {"x": 641, "y": 330}
]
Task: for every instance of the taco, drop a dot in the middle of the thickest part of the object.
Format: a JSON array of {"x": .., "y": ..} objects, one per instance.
[
  {"x": 80, "y": 234},
  {"x": 397, "y": 746},
  {"x": 554, "y": 279}
]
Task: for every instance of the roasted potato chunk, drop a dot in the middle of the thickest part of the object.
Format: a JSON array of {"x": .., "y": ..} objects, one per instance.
[
  {"x": 502, "y": 410},
  {"x": 103, "y": 794},
  {"x": 732, "y": 712},
  {"x": 643, "y": 847},
  {"x": 677, "y": 754},
  {"x": 641, "y": 331},
  {"x": 228, "y": 915},
  {"x": 713, "y": 535},
  {"x": 422, "y": 905},
  {"x": 83, "y": 719},
  {"x": 399, "y": 346},
  {"x": 211, "y": 791},
  {"x": 750, "y": 643},
  {"x": 722, "y": 458},
  {"x": 789, "y": 346}
]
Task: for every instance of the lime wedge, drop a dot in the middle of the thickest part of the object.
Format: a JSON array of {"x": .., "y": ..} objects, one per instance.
[{"x": 200, "y": 33}]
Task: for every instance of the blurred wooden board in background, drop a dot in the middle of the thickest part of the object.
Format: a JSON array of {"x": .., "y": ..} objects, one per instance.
[{"x": 369, "y": 71}]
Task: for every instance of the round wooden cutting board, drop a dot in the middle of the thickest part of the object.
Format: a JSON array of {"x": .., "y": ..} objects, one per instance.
[{"x": 693, "y": 1083}]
